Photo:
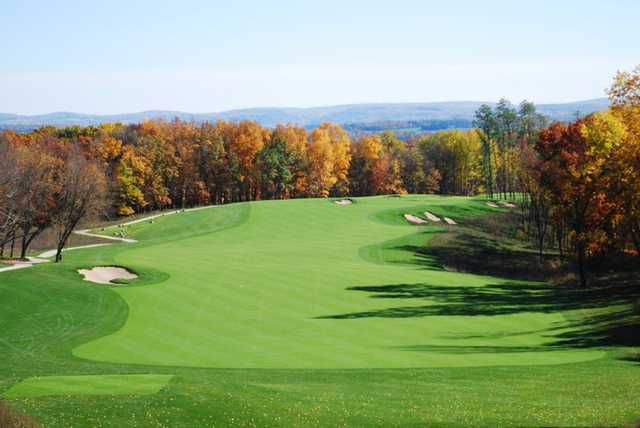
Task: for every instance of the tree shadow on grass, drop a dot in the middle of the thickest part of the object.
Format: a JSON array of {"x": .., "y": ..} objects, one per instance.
[
  {"x": 619, "y": 327},
  {"x": 486, "y": 245},
  {"x": 474, "y": 349},
  {"x": 467, "y": 252},
  {"x": 614, "y": 321}
]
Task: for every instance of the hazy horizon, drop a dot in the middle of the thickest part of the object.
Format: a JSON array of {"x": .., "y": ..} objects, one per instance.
[{"x": 515, "y": 102}]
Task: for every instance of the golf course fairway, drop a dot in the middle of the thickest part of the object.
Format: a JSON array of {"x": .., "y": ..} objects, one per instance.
[
  {"x": 319, "y": 304},
  {"x": 261, "y": 293}
]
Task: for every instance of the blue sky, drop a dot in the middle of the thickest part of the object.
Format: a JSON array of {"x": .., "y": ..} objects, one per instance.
[{"x": 203, "y": 56}]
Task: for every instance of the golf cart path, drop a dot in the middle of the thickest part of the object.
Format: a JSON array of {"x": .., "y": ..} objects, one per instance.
[
  {"x": 51, "y": 253},
  {"x": 25, "y": 264},
  {"x": 42, "y": 258}
]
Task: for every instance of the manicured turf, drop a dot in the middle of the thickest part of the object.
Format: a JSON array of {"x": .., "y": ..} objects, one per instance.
[
  {"x": 302, "y": 313},
  {"x": 269, "y": 291},
  {"x": 89, "y": 385}
]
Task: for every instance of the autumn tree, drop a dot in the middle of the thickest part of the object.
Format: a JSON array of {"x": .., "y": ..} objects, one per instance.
[
  {"x": 80, "y": 195},
  {"x": 575, "y": 171},
  {"x": 456, "y": 155},
  {"x": 485, "y": 122},
  {"x": 536, "y": 203},
  {"x": 367, "y": 152},
  {"x": 412, "y": 170},
  {"x": 296, "y": 139},
  {"x": 341, "y": 152},
  {"x": 320, "y": 164},
  {"x": 36, "y": 185},
  {"x": 130, "y": 172},
  {"x": 278, "y": 163},
  {"x": 214, "y": 164},
  {"x": 624, "y": 95},
  {"x": 244, "y": 141},
  {"x": 9, "y": 178}
]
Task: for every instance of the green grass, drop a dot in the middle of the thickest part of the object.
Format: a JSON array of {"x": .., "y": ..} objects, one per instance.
[
  {"x": 304, "y": 312},
  {"x": 89, "y": 385}
]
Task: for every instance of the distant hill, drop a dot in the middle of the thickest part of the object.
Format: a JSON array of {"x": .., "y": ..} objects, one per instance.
[{"x": 438, "y": 115}]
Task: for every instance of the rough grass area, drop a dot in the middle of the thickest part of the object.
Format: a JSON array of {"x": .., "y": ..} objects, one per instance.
[
  {"x": 10, "y": 418},
  {"x": 491, "y": 245},
  {"x": 306, "y": 313}
]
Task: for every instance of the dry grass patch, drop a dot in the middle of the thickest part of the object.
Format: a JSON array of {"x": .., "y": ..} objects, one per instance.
[{"x": 10, "y": 418}]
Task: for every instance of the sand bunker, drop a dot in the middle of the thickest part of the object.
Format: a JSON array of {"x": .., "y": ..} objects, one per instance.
[
  {"x": 344, "y": 202},
  {"x": 449, "y": 221},
  {"x": 431, "y": 216},
  {"x": 507, "y": 204},
  {"x": 413, "y": 219},
  {"x": 492, "y": 205},
  {"x": 104, "y": 275}
]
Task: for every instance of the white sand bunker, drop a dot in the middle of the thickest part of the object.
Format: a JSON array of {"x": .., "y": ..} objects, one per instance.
[
  {"x": 413, "y": 219},
  {"x": 431, "y": 216},
  {"x": 106, "y": 274},
  {"x": 344, "y": 202},
  {"x": 507, "y": 204},
  {"x": 492, "y": 205},
  {"x": 449, "y": 221}
]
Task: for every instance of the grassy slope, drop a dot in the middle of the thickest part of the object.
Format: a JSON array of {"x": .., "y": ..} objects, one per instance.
[{"x": 268, "y": 291}]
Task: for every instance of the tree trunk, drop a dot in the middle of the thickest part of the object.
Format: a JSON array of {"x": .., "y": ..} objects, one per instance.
[
  {"x": 13, "y": 243},
  {"x": 63, "y": 241},
  {"x": 559, "y": 238},
  {"x": 541, "y": 250},
  {"x": 23, "y": 247},
  {"x": 582, "y": 265},
  {"x": 634, "y": 232},
  {"x": 58, "y": 254}
]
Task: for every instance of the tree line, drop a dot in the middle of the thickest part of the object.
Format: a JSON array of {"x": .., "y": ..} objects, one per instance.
[
  {"x": 45, "y": 183},
  {"x": 54, "y": 177},
  {"x": 582, "y": 181},
  {"x": 157, "y": 164}
]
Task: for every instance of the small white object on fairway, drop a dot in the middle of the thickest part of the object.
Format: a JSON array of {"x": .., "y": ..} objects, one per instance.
[
  {"x": 414, "y": 220},
  {"x": 449, "y": 221},
  {"x": 431, "y": 216},
  {"x": 492, "y": 205},
  {"x": 163, "y": 214},
  {"x": 104, "y": 275},
  {"x": 113, "y": 238},
  {"x": 344, "y": 202}
]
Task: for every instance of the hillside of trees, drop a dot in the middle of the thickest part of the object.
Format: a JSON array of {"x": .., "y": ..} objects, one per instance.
[{"x": 579, "y": 182}]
